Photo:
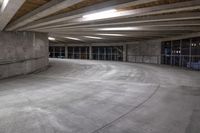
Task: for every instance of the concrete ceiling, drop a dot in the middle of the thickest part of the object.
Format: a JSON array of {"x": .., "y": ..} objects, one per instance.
[{"x": 63, "y": 19}]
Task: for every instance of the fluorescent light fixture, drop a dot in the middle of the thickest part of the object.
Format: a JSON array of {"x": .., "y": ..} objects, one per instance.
[
  {"x": 73, "y": 38},
  {"x": 93, "y": 37},
  {"x": 51, "y": 38},
  {"x": 4, "y": 4},
  {"x": 101, "y": 15},
  {"x": 111, "y": 34},
  {"x": 119, "y": 29}
]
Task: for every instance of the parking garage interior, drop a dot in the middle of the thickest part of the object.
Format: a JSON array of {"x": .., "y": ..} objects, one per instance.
[{"x": 99, "y": 66}]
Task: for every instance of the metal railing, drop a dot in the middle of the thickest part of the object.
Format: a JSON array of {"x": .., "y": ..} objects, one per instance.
[
  {"x": 154, "y": 59},
  {"x": 184, "y": 61}
]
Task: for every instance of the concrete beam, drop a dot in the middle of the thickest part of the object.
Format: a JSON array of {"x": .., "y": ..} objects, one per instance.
[
  {"x": 133, "y": 23},
  {"x": 87, "y": 10},
  {"x": 137, "y": 28},
  {"x": 9, "y": 11},
  {"x": 190, "y": 35},
  {"x": 127, "y": 33},
  {"x": 43, "y": 11},
  {"x": 181, "y": 6},
  {"x": 184, "y": 18}
]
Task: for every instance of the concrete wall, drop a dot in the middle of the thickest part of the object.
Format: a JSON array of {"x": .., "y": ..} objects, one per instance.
[
  {"x": 22, "y": 53},
  {"x": 144, "y": 52}
]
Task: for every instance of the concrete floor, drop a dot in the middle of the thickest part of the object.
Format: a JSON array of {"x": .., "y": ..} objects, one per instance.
[{"x": 75, "y": 96}]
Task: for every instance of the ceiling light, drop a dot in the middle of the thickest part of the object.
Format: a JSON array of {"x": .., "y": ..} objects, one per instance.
[
  {"x": 73, "y": 38},
  {"x": 4, "y": 4},
  {"x": 119, "y": 28},
  {"x": 111, "y": 34},
  {"x": 93, "y": 37},
  {"x": 51, "y": 38},
  {"x": 101, "y": 15}
]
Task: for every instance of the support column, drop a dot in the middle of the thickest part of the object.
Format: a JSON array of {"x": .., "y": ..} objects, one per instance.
[
  {"x": 90, "y": 52},
  {"x": 180, "y": 54},
  {"x": 54, "y": 52},
  {"x": 125, "y": 52},
  {"x": 171, "y": 54},
  {"x": 66, "y": 52}
]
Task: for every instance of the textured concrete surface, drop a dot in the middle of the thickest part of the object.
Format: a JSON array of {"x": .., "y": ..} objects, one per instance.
[
  {"x": 75, "y": 96},
  {"x": 22, "y": 52},
  {"x": 144, "y": 52}
]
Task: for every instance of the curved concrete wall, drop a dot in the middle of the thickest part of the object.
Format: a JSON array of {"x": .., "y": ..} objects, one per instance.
[{"x": 22, "y": 53}]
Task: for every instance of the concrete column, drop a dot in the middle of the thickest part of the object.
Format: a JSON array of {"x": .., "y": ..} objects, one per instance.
[
  {"x": 54, "y": 52},
  {"x": 125, "y": 52},
  {"x": 171, "y": 54},
  {"x": 66, "y": 52},
  {"x": 90, "y": 52},
  {"x": 180, "y": 55}
]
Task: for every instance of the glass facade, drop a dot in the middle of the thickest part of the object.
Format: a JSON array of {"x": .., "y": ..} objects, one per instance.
[
  {"x": 183, "y": 53},
  {"x": 114, "y": 53},
  {"x": 78, "y": 52},
  {"x": 56, "y": 52}
]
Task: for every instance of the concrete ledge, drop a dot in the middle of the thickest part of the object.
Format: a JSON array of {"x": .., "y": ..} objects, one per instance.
[
  {"x": 6, "y": 62},
  {"x": 10, "y": 69}
]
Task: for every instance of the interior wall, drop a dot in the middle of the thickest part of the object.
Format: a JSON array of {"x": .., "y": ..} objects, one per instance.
[
  {"x": 22, "y": 53},
  {"x": 144, "y": 52}
]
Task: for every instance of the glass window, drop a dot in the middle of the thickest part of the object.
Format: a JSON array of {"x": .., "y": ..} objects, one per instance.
[
  {"x": 185, "y": 47},
  {"x": 184, "y": 53},
  {"x": 195, "y": 46},
  {"x": 57, "y": 49},
  {"x": 78, "y": 52}
]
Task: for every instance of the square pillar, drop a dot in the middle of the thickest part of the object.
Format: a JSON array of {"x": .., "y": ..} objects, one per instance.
[
  {"x": 90, "y": 52},
  {"x": 125, "y": 52},
  {"x": 66, "y": 52}
]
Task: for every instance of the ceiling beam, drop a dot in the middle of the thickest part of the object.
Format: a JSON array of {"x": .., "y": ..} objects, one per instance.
[
  {"x": 161, "y": 23},
  {"x": 86, "y": 10},
  {"x": 43, "y": 11},
  {"x": 105, "y": 40},
  {"x": 111, "y": 38},
  {"x": 135, "y": 33},
  {"x": 9, "y": 11},
  {"x": 136, "y": 28},
  {"x": 183, "y": 17},
  {"x": 189, "y": 35},
  {"x": 181, "y": 6}
]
